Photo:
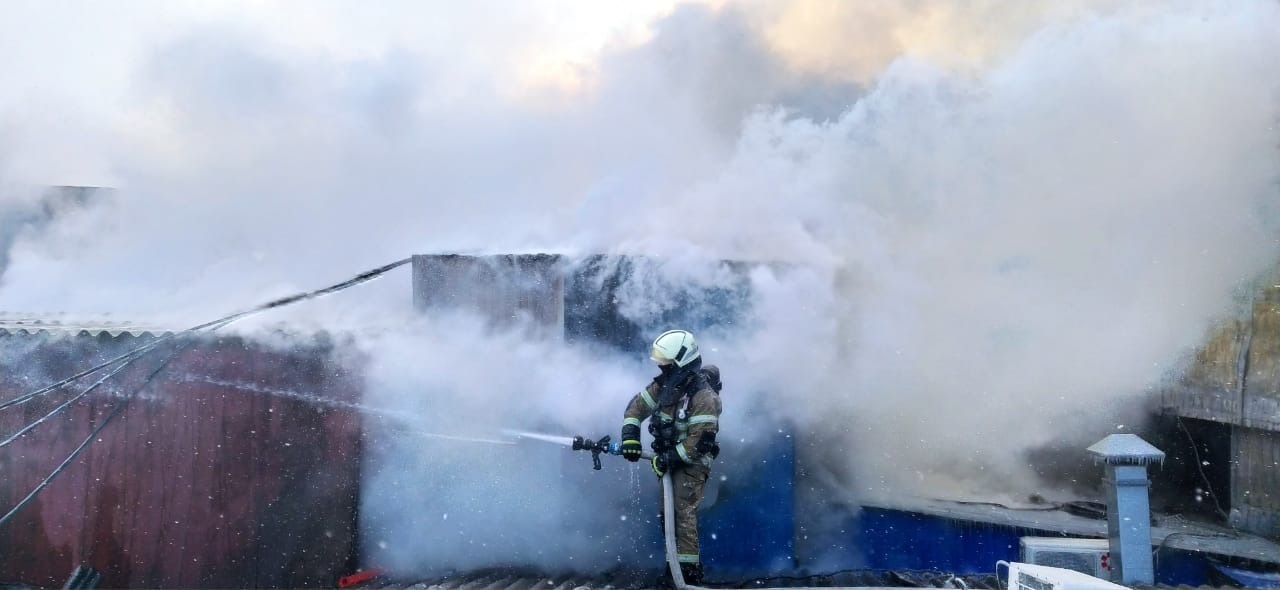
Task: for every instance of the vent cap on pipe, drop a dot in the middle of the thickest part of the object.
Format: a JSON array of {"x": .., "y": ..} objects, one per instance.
[{"x": 1126, "y": 449}]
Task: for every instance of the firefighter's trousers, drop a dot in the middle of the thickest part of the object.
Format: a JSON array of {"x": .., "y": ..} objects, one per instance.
[{"x": 688, "y": 483}]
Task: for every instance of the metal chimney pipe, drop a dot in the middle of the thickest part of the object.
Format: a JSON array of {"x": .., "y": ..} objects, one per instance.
[{"x": 1128, "y": 505}]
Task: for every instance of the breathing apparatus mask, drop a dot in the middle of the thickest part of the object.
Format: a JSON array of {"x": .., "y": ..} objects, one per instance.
[{"x": 674, "y": 382}]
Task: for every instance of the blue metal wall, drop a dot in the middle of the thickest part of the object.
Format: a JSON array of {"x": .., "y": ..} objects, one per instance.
[
  {"x": 749, "y": 528},
  {"x": 895, "y": 540},
  {"x": 900, "y": 540}
]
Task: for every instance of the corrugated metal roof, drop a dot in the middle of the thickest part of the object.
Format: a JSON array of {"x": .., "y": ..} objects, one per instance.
[
  {"x": 527, "y": 579},
  {"x": 1185, "y": 587},
  {"x": 58, "y": 323}
]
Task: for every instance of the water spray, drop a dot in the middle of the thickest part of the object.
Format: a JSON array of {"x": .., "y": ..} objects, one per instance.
[
  {"x": 455, "y": 438},
  {"x": 578, "y": 443},
  {"x": 559, "y": 440},
  {"x": 401, "y": 422}
]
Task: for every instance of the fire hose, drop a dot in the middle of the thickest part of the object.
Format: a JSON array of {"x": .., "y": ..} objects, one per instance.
[{"x": 603, "y": 445}]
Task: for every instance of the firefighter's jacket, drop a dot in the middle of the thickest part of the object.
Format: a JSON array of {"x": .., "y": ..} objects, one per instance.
[{"x": 694, "y": 416}]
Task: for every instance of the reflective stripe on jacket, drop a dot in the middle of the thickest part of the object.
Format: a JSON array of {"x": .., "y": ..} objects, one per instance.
[{"x": 701, "y": 415}]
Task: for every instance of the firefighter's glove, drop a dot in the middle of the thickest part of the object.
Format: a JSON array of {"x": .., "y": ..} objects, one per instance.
[
  {"x": 631, "y": 450},
  {"x": 664, "y": 462}
]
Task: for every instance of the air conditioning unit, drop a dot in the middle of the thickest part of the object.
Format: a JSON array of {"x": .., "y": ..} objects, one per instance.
[
  {"x": 1087, "y": 556},
  {"x": 1028, "y": 576}
]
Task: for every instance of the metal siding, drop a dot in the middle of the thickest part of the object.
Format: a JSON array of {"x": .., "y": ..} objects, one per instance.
[
  {"x": 503, "y": 289},
  {"x": 596, "y": 288},
  {"x": 1263, "y": 382},
  {"x": 591, "y": 297},
  {"x": 753, "y": 521},
  {"x": 1217, "y": 364},
  {"x": 1252, "y": 407},
  {"x": 1211, "y": 388},
  {"x": 1255, "y": 485},
  {"x": 1262, "y": 411},
  {"x": 201, "y": 482}
]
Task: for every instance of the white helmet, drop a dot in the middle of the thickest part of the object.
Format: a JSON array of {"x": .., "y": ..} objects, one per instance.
[{"x": 674, "y": 347}]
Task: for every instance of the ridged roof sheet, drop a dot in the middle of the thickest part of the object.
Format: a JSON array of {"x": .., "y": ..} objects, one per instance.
[
  {"x": 58, "y": 323},
  {"x": 530, "y": 579}
]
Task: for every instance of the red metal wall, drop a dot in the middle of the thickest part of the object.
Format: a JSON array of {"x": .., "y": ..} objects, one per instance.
[{"x": 219, "y": 475}]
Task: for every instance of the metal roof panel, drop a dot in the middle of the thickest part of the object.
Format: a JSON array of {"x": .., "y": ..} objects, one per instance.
[{"x": 59, "y": 323}]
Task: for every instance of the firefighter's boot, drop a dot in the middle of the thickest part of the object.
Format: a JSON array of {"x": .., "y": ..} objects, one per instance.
[
  {"x": 665, "y": 581},
  {"x": 692, "y": 573}
]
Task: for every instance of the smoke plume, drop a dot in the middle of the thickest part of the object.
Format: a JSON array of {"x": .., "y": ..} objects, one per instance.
[{"x": 981, "y": 229}]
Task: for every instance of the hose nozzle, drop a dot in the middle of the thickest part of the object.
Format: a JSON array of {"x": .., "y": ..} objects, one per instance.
[{"x": 595, "y": 446}]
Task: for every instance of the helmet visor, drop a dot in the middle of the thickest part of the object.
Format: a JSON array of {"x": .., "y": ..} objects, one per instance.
[{"x": 658, "y": 356}]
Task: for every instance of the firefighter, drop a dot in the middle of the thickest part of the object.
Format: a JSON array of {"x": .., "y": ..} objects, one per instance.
[{"x": 682, "y": 405}]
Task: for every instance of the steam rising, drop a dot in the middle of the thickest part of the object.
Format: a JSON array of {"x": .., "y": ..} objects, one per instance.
[{"x": 987, "y": 230}]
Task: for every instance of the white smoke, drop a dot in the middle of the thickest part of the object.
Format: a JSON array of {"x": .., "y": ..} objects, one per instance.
[{"x": 989, "y": 230}]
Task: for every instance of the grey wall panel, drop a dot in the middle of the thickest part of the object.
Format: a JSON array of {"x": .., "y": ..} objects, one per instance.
[
  {"x": 504, "y": 289},
  {"x": 1255, "y": 481}
]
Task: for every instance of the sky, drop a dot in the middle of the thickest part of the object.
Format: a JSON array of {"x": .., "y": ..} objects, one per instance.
[{"x": 982, "y": 228}]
